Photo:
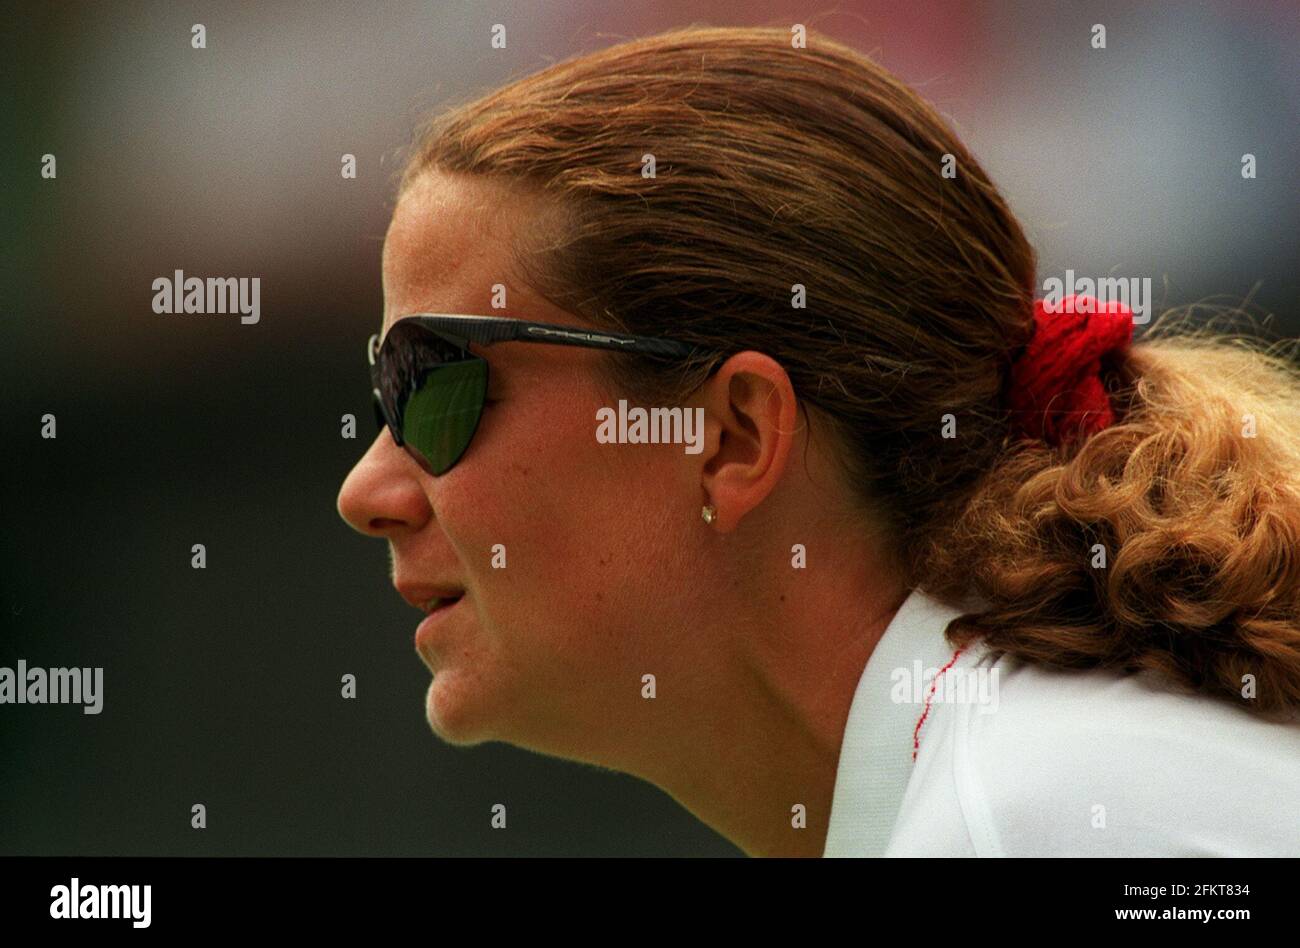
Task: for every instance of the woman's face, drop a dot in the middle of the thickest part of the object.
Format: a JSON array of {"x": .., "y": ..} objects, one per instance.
[{"x": 592, "y": 543}]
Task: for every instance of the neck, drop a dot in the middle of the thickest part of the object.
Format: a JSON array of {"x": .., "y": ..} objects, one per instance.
[{"x": 756, "y": 722}]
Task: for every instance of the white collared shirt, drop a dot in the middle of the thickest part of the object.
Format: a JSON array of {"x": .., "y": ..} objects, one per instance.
[{"x": 1013, "y": 759}]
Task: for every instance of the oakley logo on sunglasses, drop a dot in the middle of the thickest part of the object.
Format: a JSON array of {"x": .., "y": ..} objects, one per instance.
[
  {"x": 584, "y": 336},
  {"x": 657, "y": 426}
]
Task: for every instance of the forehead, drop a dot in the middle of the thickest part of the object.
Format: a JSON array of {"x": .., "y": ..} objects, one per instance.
[{"x": 448, "y": 243}]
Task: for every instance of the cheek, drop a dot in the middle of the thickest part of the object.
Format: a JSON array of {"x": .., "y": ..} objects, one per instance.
[{"x": 587, "y": 529}]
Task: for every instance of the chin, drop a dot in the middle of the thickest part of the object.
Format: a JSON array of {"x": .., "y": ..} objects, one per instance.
[{"x": 450, "y": 710}]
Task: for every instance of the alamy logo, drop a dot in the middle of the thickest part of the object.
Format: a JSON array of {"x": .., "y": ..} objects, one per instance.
[
  {"x": 102, "y": 901},
  {"x": 182, "y": 294},
  {"x": 978, "y": 686},
  {"x": 55, "y": 686},
  {"x": 651, "y": 426},
  {"x": 1133, "y": 292}
]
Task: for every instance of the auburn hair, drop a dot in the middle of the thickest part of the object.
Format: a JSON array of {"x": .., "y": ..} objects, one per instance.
[{"x": 1168, "y": 541}]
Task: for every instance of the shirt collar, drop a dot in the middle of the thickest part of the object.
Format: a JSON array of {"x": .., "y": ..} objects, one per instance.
[{"x": 876, "y": 751}]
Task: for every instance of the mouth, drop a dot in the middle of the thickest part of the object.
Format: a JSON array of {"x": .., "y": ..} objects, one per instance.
[
  {"x": 437, "y": 612},
  {"x": 429, "y": 597},
  {"x": 429, "y": 607}
]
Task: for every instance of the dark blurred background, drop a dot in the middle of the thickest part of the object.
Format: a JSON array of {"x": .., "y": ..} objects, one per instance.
[{"x": 222, "y": 685}]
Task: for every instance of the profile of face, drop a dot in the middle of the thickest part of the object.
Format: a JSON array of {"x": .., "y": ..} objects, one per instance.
[
  {"x": 579, "y": 561},
  {"x": 600, "y": 618}
]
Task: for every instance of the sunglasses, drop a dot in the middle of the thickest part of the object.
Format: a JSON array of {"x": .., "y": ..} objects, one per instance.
[{"x": 429, "y": 389}]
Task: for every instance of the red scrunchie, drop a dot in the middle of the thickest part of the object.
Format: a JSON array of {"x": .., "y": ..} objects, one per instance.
[{"x": 1055, "y": 389}]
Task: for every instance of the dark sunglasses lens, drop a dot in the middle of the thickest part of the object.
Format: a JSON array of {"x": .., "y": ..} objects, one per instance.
[
  {"x": 441, "y": 416},
  {"x": 434, "y": 391}
]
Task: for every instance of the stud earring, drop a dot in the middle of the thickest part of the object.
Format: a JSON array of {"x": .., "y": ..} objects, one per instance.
[{"x": 709, "y": 513}]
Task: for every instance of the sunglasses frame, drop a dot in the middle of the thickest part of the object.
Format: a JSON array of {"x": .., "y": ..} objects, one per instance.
[{"x": 460, "y": 330}]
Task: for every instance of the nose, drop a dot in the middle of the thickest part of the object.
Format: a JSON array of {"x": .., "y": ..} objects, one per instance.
[{"x": 382, "y": 494}]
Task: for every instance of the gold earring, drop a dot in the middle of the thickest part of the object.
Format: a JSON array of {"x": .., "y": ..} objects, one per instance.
[{"x": 709, "y": 513}]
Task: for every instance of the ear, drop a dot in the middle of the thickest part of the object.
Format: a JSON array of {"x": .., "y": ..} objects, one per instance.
[{"x": 750, "y": 404}]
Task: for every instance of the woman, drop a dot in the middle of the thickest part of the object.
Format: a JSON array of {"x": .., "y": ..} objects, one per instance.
[{"x": 906, "y": 562}]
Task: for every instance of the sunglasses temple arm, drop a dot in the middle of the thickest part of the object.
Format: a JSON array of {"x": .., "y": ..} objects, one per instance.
[{"x": 617, "y": 342}]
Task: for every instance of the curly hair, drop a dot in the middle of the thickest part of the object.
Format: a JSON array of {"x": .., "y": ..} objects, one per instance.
[
  {"x": 1165, "y": 542},
  {"x": 1168, "y": 542}
]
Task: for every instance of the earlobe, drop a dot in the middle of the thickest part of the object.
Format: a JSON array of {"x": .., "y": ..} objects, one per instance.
[{"x": 753, "y": 403}]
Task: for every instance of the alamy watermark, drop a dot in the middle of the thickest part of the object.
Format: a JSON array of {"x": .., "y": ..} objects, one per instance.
[
  {"x": 651, "y": 426},
  {"x": 977, "y": 686},
  {"x": 182, "y": 294},
  {"x": 1133, "y": 292},
  {"x": 54, "y": 686}
]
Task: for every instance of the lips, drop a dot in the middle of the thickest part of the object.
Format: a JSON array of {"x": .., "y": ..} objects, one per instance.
[
  {"x": 440, "y": 602},
  {"x": 442, "y": 612},
  {"x": 437, "y": 601},
  {"x": 428, "y": 597}
]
